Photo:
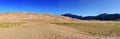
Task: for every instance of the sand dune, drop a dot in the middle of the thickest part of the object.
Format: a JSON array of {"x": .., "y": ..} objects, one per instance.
[{"x": 38, "y": 26}]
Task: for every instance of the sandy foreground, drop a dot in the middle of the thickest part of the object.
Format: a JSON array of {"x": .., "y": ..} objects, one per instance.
[{"x": 36, "y": 30}]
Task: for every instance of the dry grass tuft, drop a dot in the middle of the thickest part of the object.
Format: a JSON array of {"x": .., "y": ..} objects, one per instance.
[{"x": 10, "y": 24}]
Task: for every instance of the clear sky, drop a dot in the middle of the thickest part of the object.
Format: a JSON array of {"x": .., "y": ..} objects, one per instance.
[
  {"x": 19, "y": 5},
  {"x": 78, "y": 7}
]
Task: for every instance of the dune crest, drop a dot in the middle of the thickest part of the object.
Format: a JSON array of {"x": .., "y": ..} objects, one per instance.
[{"x": 9, "y": 16}]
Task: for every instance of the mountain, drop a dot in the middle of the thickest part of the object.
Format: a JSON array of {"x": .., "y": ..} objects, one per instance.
[{"x": 104, "y": 16}]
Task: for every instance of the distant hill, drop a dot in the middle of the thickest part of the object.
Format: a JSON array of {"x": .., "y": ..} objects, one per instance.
[{"x": 103, "y": 16}]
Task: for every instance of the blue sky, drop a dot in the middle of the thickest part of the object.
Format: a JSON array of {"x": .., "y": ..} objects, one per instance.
[
  {"x": 19, "y": 5},
  {"x": 78, "y": 7},
  {"x": 91, "y": 7}
]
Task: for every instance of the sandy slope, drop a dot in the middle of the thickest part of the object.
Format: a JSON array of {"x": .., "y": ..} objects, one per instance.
[{"x": 38, "y": 30}]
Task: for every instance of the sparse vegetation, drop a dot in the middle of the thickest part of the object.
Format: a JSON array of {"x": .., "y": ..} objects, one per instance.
[
  {"x": 10, "y": 24},
  {"x": 96, "y": 29}
]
